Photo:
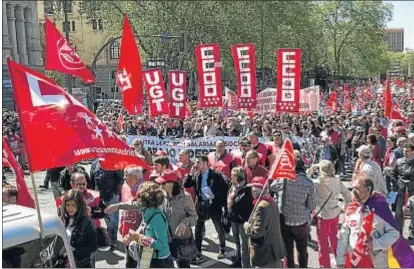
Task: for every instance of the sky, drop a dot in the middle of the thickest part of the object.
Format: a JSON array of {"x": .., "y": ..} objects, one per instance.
[{"x": 403, "y": 17}]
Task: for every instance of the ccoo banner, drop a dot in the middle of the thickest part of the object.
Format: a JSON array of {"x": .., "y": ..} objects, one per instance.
[
  {"x": 209, "y": 75},
  {"x": 288, "y": 80},
  {"x": 157, "y": 98},
  {"x": 245, "y": 67},
  {"x": 177, "y": 84}
]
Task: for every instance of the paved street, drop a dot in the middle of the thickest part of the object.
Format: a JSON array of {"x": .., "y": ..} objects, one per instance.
[{"x": 115, "y": 259}]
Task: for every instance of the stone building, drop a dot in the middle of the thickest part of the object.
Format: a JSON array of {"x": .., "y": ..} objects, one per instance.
[
  {"x": 20, "y": 41},
  {"x": 87, "y": 36}
]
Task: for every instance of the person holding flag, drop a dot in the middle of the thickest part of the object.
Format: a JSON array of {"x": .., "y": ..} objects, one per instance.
[{"x": 381, "y": 244}]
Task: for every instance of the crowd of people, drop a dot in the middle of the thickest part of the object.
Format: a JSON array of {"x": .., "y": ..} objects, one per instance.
[{"x": 165, "y": 209}]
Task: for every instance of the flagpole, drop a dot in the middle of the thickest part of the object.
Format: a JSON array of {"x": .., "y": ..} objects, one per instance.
[{"x": 39, "y": 217}]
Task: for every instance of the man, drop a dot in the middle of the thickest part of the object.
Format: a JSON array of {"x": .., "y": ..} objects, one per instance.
[
  {"x": 161, "y": 163},
  {"x": 240, "y": 156},
  {"x": 65, "y": 174},
  {"x": 256, "y": 145},
  {"x": 221, "y": 158},
  {"x": 342, "y": 145},
  {"x": 371, "y": 169},
  {"x": 403, "y": 181},
  {"x": 130, "y": 219},
  {"x": 295, "y": 199},
  {"x": 264, "y": 229},
  {"x": 52, "y": 176},
  {"x": 384, "y": 233},
  {"x": 253, "y": 168},
  {"x": 335, "y": 138},
  {"x": 211, "y": 192},
  {"x": 177, "y": 130},
  {"x": 274, "y": 148},
  {"x": 326, "y": 151},
  {"x": 165, "y": 131},
  {"x": 184, "y": 168},
  {"x": 140, "y": 150},
  {"x": 109, "y": 184}
]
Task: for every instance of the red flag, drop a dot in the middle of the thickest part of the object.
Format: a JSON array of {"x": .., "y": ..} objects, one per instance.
[
  {"x": 178, "y": 93},
  {"x": 24, "y": 197},
  {"x": 209, "y": 75},
  {"x": 347, "y": 99},
  {"x": 332, "y": 102},
  {"x": 188, "y": 112},
  {"x": 245, "y": 67},
  {"x": 396, "y": 115},
  {"x": 284, "y": 166},
  {"x": 360, "y": 258},
  {"x": 288, "y": 80},
  {"x": 157, "y": 98},
  {"x": 59, "y": 130},
  {"x": 60, "y": 56},
  {"x": 129, "y": 76},
  {"x": 231, "y": 99},
  {"x": 387, "y": 100}
]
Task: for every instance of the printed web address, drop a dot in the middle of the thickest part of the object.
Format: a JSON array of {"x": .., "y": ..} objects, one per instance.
[{"x": 84, "y": 151}]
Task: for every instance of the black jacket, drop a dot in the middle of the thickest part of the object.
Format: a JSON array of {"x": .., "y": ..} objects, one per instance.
[
  {"x": 64, "y": 180},
  {"x": 242, "y": 205},
  {"x": 217, "y": 185},
  {"x": 54, "y": 173},
  {"x": 403, "y": 176},
  {"x": 83, "y": 240},
  {"x": 107, "y": 182}
]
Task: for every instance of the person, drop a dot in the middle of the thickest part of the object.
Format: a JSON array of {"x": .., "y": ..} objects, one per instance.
[
  {"x": 211, "y": 192},
  {"x": 140, "y": 150},
  {"x": 327, "y": 190},
  {"x": 253, "y": 168},
  {"x": 109, "y": 185},
  {"x": 295, "y": 199},
  {"x": 384, "y": 233},
  {"x": 239, "y": 208},
  {"x": 154, "y": 225},
  {"x": 52, "y": 176},
  {"x": 181, "y": 216},
  {"x": 79, "y": 227},
  {"x": 367, "y": 166},
  {"x": 376, "y": 149},
  {"x": 161, "y": 164},
  {"x": 326, "y": 151},
  {"x": 164, "y": 131},
  {"x": 130, "y": 219},
  {"x": 265, "y": 239},
  {"x": 9, "y": 194},
  {"x": 184, "y": 168},
  {"x": 274, "y": 148},
  {"x": 65, "y": 174},
  {"x": 256, "y": 145},
  {"x": 223, "y": 157},
  {"x": 402, "y": 179}
]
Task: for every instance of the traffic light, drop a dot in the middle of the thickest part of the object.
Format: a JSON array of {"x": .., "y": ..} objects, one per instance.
[{"x": 182, "y": 42}]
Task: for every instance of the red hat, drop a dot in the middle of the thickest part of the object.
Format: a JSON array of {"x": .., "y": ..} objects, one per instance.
[
  {"x": 258, "y": 182},
  {"x": 168, "y": 176},
  {"x": 160, "y": 153}
]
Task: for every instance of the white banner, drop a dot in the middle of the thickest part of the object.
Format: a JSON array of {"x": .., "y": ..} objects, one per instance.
[
  {"x": 266, "y": 101},
  {"x": 172, "y": 146},
  {"x": 309, "y": 99}
]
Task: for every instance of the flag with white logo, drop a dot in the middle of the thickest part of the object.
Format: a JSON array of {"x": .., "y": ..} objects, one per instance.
[
  {"x": 178, "y": 93},
  {"x": 58, "y": 130},
  {"x": 157, "y": 97}
]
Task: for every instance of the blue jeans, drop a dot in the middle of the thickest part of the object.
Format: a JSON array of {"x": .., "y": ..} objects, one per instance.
[
  {"x": 241, "y": 241},
  {"x": 112, "y": 221}
]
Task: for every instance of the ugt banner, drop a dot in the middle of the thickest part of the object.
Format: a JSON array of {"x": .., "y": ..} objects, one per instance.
[
  {"x": 157, "y": 98},
  {"x": 209, "y": 75},
  {"x": 177, "y": 84},
  {"x": 288, "y": 80},
  {"x": 245, "y": 67}
]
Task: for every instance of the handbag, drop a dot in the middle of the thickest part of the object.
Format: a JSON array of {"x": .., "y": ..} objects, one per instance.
[
  {"x": 182, "y": 249},
  {"x": 102, "y": 237},
  {"x": 314, "y": 220}
]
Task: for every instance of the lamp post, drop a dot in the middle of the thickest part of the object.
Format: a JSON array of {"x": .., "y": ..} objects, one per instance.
[{"x": 66, "y": 8}]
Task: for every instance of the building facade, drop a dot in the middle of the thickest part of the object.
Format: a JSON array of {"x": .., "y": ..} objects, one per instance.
[
  {"x": 21, "y": 41},
  {"x": 87, "y": 36},
  {"x": 395, "y": 39}
]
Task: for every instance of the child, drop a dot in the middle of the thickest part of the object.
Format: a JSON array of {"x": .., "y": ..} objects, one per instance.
[{"x": 79, "y": 228}]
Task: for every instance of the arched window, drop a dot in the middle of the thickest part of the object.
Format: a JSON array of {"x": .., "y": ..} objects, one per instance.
[
  {"x": 73, "y": 26},
  {"x": 114, "y": 50}
]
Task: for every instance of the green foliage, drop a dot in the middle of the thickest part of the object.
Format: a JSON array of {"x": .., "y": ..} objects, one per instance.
[{"x": 345, "y": 36}]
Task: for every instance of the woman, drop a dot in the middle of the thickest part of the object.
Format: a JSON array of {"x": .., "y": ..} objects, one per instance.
[
  {"x": 154, "y": 223},
  {"x": 240, "y": 206},
  {"x": 181, "y": 215},
  {"x": 79, "y": 228},
  {"x": 328, "y": 187},
  {"x": 372, "y": 142}
]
